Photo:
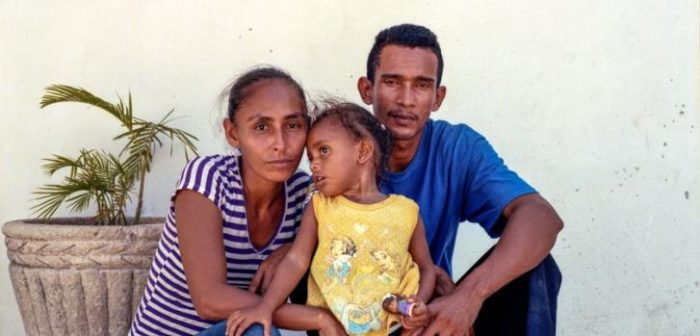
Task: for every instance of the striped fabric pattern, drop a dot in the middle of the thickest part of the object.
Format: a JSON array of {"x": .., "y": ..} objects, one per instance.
[{"x": 166, "y": 306}]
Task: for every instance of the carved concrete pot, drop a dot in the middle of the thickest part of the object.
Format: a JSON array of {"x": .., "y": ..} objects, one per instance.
[{"x": 73, "y": 279}]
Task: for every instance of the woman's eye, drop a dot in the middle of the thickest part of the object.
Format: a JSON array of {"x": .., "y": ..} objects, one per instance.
[{"x": 294, "y": 125}]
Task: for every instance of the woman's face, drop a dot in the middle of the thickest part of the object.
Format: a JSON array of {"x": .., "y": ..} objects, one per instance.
[{"x": 269, "y": 128}]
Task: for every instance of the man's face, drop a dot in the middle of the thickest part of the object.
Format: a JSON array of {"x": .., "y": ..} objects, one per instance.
[{"x": 404, "y": 91}]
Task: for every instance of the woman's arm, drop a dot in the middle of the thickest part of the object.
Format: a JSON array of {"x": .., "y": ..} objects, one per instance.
[{"x": 202, "y": 247}]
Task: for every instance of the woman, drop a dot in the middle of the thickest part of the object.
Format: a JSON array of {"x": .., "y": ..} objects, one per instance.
[{"x": 229, "y": 213}]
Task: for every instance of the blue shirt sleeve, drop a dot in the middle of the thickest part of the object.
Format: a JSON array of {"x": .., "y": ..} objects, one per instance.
[{"x": 489, "y": 186}]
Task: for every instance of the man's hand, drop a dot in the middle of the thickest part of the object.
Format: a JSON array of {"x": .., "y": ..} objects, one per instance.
[
  {"x": 443, "y": 282},
  {"x": 267, "y": 268},
  {"x": 453, "y": 314}
]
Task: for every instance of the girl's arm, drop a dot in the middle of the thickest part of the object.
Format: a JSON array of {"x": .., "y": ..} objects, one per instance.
[
  {"x": 201, "y": 244},
  {"x": 289, "y": 272},
  {"x": 421, "y": 256}
]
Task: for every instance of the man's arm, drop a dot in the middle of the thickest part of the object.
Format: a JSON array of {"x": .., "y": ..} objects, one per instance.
[{"x": 530, "y": 233}]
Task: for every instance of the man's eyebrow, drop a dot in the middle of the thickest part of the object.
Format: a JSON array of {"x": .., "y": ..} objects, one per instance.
[
  {"x": 418, "y": 78},
  {"x": 425, "y": 79}
]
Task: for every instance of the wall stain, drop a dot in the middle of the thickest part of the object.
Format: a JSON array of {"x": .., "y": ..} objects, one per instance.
[{"x": 687, "y": 196}]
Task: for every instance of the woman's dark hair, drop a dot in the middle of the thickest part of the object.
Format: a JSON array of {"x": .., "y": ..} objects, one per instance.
[
  {"x": 404, "y": 35},
  {"x": 240, "y": 89},
  {"x": 360, "y": 124}
]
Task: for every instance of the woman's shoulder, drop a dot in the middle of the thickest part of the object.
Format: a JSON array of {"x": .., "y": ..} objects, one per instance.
[
  {"x": 211, "y": 163},
  {"x": 298, "y": 186}
]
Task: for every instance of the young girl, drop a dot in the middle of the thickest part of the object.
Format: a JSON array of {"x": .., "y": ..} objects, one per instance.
[{"x": 366, "y": 244}]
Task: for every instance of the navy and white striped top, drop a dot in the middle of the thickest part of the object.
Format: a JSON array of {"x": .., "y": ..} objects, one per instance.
[{"x": 166, "y": 307}]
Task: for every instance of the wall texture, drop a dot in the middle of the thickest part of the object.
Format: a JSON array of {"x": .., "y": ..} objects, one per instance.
[{"x": 594, "y": 102}]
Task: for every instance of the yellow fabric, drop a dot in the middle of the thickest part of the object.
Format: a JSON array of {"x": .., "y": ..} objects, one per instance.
[{"x": 362, "y": 255}]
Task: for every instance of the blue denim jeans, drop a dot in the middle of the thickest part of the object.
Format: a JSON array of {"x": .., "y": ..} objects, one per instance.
[
  {"x": 219, "y": 329},
  {"x": 525, "y": 306}
]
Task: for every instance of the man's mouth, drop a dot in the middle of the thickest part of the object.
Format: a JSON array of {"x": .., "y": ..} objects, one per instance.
[{"x": 401, "y": 116}]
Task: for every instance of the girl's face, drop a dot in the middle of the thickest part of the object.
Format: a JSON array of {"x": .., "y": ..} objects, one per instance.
[
  {"x": 269, "y": 129},
  {"x": 333, "y": 156}
]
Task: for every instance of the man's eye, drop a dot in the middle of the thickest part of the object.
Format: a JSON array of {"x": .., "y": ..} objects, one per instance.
[
  {"x": 424, "y": 85},
  {"x": 261, "y": 127},
  {"x": 390, "y": 81}
]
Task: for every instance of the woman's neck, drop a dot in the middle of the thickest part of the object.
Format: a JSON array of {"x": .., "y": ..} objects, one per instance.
[{"x": 259, "y": 193}]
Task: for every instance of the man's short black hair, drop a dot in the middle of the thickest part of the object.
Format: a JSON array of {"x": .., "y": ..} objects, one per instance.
[{"x": 405, "y": 35}]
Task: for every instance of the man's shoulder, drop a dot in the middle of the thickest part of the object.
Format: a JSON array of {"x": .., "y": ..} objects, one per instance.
[{"x": 452, "y": 137}]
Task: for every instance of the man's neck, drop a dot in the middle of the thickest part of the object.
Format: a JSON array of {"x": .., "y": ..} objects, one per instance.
[{"x": 402, "y": 153}]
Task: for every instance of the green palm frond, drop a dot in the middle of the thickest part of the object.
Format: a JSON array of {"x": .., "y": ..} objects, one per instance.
[
  {"x": 65, "y": 93},
  {"x": 98, "y": 177}
]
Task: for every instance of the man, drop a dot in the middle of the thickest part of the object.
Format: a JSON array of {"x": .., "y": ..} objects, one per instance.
[{"x": 453, "y": 173}]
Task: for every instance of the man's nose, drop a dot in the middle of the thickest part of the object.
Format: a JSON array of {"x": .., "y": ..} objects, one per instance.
[{"x": 407, "y": 96}]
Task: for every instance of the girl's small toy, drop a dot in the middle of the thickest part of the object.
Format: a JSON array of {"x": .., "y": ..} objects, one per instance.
[{"x": 397, "y": 304}]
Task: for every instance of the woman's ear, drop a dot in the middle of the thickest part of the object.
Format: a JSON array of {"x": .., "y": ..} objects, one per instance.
[
  {"x": 231, "y": 133},
  {"x": 366, "y": 151}
]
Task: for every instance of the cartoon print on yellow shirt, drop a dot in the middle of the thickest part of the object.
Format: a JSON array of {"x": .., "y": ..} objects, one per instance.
[
  {"x": 342, "y": 250},
  {"x": 387, "y": 264}
]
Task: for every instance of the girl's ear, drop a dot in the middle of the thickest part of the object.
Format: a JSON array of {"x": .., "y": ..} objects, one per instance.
[
  {"x": 366, "y": 151},
  {"x": 231, "y": 133}
]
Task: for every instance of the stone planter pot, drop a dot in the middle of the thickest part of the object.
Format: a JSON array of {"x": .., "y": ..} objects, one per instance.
[{"x": 72, "y": 279}]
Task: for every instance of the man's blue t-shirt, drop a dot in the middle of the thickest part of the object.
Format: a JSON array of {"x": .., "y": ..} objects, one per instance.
[{"x": 456, "y": 176}]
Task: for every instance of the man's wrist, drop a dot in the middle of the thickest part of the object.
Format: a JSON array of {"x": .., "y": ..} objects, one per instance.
[{"x": 475, "y": 286}]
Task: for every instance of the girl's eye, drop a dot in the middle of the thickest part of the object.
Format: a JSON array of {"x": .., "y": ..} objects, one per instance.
[{"x": 323, "y": 150}]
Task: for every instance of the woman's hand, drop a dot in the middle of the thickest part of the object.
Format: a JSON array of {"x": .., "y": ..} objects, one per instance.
[
  {"x": 266, "y": 270},
  {"x": 240, "y": 320},
  {"x": 330, "y": 326}
]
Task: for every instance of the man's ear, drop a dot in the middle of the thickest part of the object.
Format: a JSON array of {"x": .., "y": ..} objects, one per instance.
[
  {"x": 364, "y": 87},
  {"x": 231, "y": 133},
  {"x": 366, "y": 151},
  {"x": 439, "y": 97}
]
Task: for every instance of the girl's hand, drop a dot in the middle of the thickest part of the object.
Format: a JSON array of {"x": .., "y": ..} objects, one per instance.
[
  {"x": 240, "y": 320},
  {"x": 330, "y": 326},
  {"x": 421, "y": 315}
]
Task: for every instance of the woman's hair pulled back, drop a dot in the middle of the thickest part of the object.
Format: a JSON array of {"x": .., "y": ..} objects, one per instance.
[{"x": 240, "y": 90}]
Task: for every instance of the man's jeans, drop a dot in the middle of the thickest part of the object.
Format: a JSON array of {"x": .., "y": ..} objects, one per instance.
[{"x": 525, "y": 306}]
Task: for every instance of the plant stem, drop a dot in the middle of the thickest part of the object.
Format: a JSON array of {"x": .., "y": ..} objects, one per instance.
[{"x": 139, "y": 204}]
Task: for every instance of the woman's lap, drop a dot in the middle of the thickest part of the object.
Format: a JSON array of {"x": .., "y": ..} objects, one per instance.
[{"x": 219, "y": 329}]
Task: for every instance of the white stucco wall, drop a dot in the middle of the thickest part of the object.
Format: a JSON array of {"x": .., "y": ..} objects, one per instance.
[{"x": 594, "y": 102}]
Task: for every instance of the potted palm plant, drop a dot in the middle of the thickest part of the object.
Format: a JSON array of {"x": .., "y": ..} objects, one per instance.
[{"x": 85, "y": 275}]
